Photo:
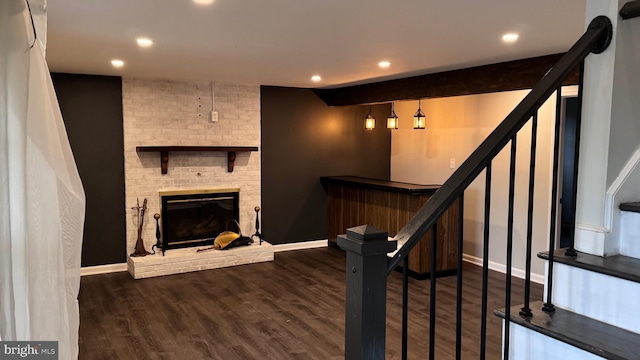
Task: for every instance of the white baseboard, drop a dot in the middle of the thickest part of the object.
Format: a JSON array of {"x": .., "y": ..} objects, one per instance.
[
  {"x": 519, "y": 273},
  {"x": 590, "y": 239},
  {"x": 103, "y": 269},
  {"x": 624, "y": 175},
  {"x": 300, "y": 245},
  {"x": 113, "y": 268}
]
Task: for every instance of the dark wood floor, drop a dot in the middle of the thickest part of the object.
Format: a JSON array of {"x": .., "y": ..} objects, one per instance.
[{"x": 292, "y": 308}]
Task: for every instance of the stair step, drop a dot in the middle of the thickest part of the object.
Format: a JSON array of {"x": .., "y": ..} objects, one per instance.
[
  {"x": 603, "y": 288},
  {"x": 632, "y": 206},
  {"x": 629, "y": 230},
  {"x": 620, "y": 266},
  {"x": 580, "y": 331}
]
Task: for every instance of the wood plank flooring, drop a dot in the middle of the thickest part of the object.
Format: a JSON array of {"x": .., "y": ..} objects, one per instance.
[{"x": 292, "y": 308}]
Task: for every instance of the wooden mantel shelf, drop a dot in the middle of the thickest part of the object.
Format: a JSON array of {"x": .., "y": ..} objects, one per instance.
[{"x": 164, "y": 152}]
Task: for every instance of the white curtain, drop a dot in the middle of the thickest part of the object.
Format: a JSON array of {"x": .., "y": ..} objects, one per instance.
[{"x": 41, "y": 196}]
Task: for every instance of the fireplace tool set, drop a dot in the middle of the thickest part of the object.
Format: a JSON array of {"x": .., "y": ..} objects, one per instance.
[{"x": 140, "y": 250}]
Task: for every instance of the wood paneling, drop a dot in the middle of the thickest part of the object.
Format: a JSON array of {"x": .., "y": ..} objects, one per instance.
[{"x": 350, "y": 204}]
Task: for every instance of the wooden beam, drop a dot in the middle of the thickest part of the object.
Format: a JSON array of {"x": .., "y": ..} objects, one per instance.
[{"x": 505, "y": 76}]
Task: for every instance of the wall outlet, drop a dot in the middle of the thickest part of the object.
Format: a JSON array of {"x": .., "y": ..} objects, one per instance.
[
  {"x": 214, "y": 116},
  {"x": 452, "y": 163}
]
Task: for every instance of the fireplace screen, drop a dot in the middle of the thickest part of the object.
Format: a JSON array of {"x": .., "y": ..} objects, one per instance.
[{"x": 196, "y": 219}]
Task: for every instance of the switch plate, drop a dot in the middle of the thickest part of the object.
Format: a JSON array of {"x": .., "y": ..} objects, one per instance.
[
  {"x": 214, "y": 116},
  {"x": 452, "y": 163}
]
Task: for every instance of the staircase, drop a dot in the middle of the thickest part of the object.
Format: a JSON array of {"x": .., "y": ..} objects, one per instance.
[
  {"x": 594, "y": 297},
  {"x": 589, "y": 311},
  {"x": 593, "y": 317}
]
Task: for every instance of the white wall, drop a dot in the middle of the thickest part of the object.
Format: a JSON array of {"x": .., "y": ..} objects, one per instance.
[
  {"x": 625, "y": 122},
  {"x": 609, "y": 143},
  {"x": 455, "y": 127},
  {"x": 166, "y": 112},
  {"x": 594, "y": 138}
]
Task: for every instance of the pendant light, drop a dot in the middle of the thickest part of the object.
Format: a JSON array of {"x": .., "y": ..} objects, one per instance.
[
  {"x": 392, "y": 120},
  {"x": 369, "y": 121},
  {"x": 418, "y": 118}
]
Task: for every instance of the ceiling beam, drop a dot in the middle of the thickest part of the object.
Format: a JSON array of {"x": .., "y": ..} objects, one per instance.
[{"x": 505, "y": 76}]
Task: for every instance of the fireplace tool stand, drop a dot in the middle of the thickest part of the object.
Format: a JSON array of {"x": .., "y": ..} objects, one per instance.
[
  {"x": 140, "y": 250},
  {"x": 257, "y": 234},
  {"x": 158, "y": 244}
]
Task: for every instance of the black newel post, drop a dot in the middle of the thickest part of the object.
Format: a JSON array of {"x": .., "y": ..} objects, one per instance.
[{"x": 366, "y": 300}]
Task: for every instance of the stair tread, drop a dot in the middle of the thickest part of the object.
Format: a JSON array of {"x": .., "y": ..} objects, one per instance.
[
  {"x": 632, "y": 206},
  {"x": 620, "y": 266},
  {"x": 591, "y": 335}
]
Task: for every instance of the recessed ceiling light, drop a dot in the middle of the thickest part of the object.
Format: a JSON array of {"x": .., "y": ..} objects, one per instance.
[
  {"x": 384, "y": 64},
  {"x": 510, "y": 37},
  {"x": 144, "y": 42},
  {"x": 117, "y": 63},
  {"x": 316, "y": 78},
  {"x": 203, "y": 2}
]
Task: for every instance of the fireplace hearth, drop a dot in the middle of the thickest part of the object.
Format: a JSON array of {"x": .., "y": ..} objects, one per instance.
[{"x": 195, "y": 218}]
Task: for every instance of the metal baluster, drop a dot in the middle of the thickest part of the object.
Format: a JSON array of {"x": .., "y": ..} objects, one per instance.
[
  {"x": 526, "y": 310},
  {"x": 548, "y": 305},
  {"x": 485, "y": 261},
  {"x": 405, "y": 305},
  {"x": 507, "y": 300},
  {"x": 432, "y": 308},
  {"x": 571, "y": 251},
  {"x": 459, "y": 285}
]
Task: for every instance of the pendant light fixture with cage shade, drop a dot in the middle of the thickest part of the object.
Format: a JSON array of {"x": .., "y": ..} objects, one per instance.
[
  {"x": 419, "y": 118},
  {"x": 392, "y": 120},
  {"x": 369, "y": 121}
]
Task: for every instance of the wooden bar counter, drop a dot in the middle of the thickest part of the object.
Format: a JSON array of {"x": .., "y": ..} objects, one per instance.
[{"x": 389, "y": 205}]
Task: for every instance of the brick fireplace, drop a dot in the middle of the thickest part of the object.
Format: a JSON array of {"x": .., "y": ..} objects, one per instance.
[{"x": 177, "y": 113}]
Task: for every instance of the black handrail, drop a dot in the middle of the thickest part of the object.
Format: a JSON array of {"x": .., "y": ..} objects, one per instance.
[
  {"x": 630, "y": 10},
  {"x": 595, "y": 40}
]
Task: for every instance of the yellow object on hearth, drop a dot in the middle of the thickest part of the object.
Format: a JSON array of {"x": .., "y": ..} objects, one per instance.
[{"x": 224, "y": 239}]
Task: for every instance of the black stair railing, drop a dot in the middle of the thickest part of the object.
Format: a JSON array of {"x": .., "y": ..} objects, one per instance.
[
  {"x": 367, "y": 247},
  {"x": 630, "y": 10}
]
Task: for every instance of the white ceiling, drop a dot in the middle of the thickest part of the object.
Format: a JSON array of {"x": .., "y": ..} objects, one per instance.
[{"x": 284, "y": 42}]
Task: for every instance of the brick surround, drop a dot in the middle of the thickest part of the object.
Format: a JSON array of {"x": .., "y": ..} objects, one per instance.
[{"x": 167, "y": 112}]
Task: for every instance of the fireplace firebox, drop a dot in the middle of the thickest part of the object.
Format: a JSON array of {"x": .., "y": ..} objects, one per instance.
[{"x": 195, "y": 218}]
